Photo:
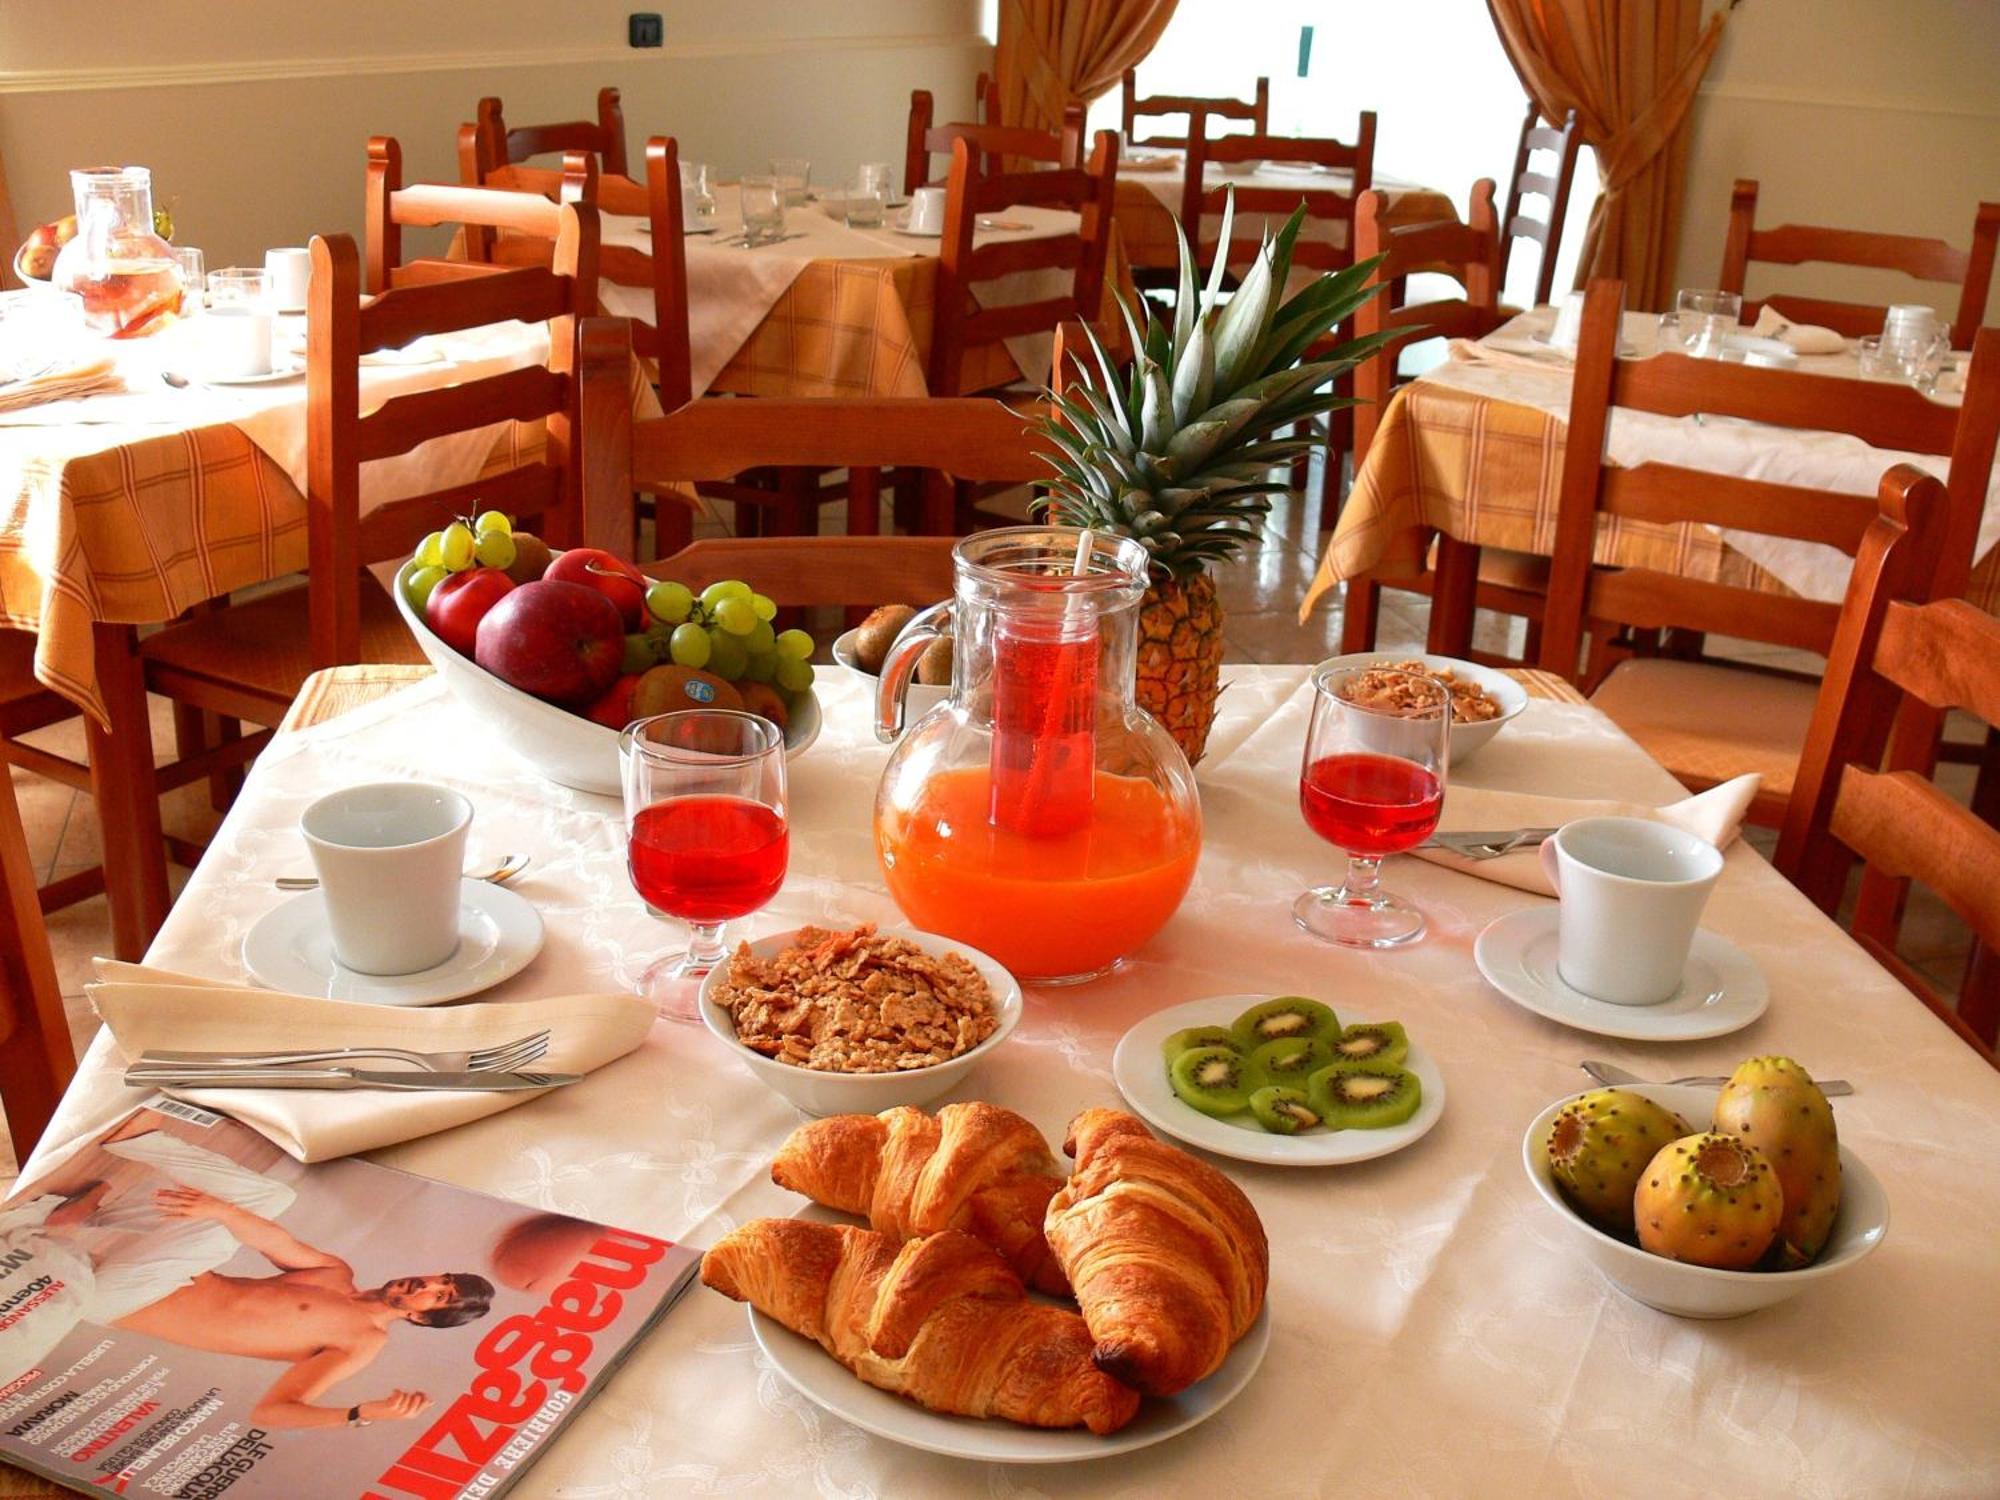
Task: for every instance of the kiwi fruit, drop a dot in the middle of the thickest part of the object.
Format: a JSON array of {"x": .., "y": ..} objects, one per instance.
[
  {"x": 1290, "y": 1061},
  {"x": 1214, "y": 1080},
  {"x": 1282, "y": 1111},
  {"x": 875, "y": 635},
  {"x": 1199, "y": 1036},
  {"x": 1285, "y": 1017},
  {"x": 1372, "y": 1041},
  {"x": 1364, "y": 1096},
  {"x": 934, "y": 666}
]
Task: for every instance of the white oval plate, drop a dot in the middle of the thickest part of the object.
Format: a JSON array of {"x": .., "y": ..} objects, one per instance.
[
  {"x": 290, "y": 948},
  {"x": 280, "y": 370},
  {"x": 828, "y": 1384},
  {"x": 1141, "y": 1075},
  {"x": 1723, "y": 990}
]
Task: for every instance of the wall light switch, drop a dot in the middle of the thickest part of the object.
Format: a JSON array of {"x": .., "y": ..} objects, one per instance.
[{"x": 645, "y": 28}]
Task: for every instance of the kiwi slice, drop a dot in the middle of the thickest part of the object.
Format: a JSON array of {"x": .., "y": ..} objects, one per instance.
[
  {"x": 1289, "y": 1061},
  {"x": 1372, "y": 1041},
  {"x": 1285, "y": 1017},
  {"x": 1214, "y": 1080},
  {"x": 1364, "y": 1096},
  {"x": 1282, "y": 1111},
  {"x": 1188, "y": 1039}
]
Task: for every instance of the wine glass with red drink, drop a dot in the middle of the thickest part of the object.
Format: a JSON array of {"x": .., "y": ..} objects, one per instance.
[
  {"x": 706, "y": 833},
  {"x": 1373, "y": 785}
]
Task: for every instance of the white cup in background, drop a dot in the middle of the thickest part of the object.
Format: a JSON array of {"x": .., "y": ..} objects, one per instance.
[
  {"x": 926, "y": 211},
  {"x": 236, "y": 341},
  {"x": 390, "y": 856},
  {"x": 290, "y": 273},
  {"x": 1569, "y": 323},
  {"x": 1632, "y": 893}
]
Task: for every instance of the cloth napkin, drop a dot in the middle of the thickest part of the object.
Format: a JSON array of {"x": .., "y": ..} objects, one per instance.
[
  {"x": 148, "y": 1008},
  {"x": 1169, "y": 161},
  {"x": 1485, "y": 352},
  {"x": 33, "y": 382},
  {"x": 1715, "y": 815},
  {"x": 1804, "y": 338}
]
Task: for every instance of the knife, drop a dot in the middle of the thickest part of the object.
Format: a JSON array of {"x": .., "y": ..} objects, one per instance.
[{"x": 148, "y": 1076}]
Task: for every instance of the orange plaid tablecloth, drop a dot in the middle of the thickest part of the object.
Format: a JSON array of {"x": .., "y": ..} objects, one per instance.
[
  {"x": 1488, "y": 471},
  {"x": 1146, "y": 225}
]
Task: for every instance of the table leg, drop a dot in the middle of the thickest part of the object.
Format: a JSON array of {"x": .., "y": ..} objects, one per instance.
[
  {"x": 1454, "y": 597},
  {"x": 128, "y": 801}
]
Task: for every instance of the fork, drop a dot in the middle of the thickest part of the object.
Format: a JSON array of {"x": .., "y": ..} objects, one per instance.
[
  {"x": 1608, "y": 1073},
  {"x": 500, "y": 874},
  {"x": 507, "y": 1057},
  {"x": 1488, "y": 845}
]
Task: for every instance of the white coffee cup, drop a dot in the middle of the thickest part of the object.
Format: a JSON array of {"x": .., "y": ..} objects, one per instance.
[
  {"x": 391, "y": 858},
  {"x": 235, "y": 341},
  {"x": 1632, "y": 893},
  {"x": 290, "y": 271},
  {"x": 926, "y": 211},
  {"x": 1569, "y": 323}
]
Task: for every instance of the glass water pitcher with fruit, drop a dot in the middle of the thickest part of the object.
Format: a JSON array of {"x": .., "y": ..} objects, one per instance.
[
  {"x": 117, "y": 264},
  {"x": 1038, "y": 814}
]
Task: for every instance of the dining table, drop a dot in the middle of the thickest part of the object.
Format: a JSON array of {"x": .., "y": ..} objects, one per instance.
[
  {"x": 1473, "y": 448},
  {"x": 1435, "y": 1330}
]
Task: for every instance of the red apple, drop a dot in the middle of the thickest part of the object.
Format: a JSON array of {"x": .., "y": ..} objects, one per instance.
[
  {"x": 613, "y": 577},
  {"x": 560, "y": 641},
  {"x": 614, "y": 709},
  {"x": 460, "y": 602}
]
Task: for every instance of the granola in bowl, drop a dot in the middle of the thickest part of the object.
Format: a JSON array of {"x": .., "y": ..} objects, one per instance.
[{"x": 1392, "y": 687}]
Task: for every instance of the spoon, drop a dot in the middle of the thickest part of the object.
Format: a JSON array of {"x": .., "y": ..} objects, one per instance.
[{"x": 500, "y": 874}]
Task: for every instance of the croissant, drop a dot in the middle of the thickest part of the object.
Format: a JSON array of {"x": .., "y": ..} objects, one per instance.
[
  {"x": 942, "y": 1320},
  {"x": 974, "y": 1167},
  {"x": 1167, "y": 1256}
]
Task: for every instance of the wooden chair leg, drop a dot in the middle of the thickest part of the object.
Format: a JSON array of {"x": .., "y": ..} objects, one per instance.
[
  {"x": 37, "y": 1061},
  {"x": 1362, "y": 615},
  {"x": 864, "y": 502},
  {"x": 128, "y": 801},
  {"x": 797, "y": 510},
  {"x": 940, "y": 506},
  {"x": 673, "y": 525},
  {"x": 1454, "y": 597},
  {"x": 223, "y": 785}
]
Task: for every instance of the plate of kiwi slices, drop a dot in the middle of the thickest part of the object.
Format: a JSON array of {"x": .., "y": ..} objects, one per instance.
[{"x": 1280, "y": 1079}]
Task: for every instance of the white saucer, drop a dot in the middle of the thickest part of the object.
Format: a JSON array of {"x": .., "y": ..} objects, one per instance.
[
  {"x": 917, "y": 234},
  {"x": 285, "y": 369},
  {"x": 1722, "y": 991},
  {"x": 827, "y": 1383},
  {"x": 1140, "y": 1072},
  {"x": 290, "y": 948}
]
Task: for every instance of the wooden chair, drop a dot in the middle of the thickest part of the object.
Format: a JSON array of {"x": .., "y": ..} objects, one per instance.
[
  {"x": 993, "y": 142},
  {"x": 1970, "y": 270},
  {"x": 1708, "y": 721},
  {"x": 36, "y": 1058},
  {"x": 1257, "y": 110},
  {"x": 604, "y": 140},
  {"x": 857, "y": 572},
  {"x": 1552, "y": 187},
  {"x": 1891, "y": 651}
]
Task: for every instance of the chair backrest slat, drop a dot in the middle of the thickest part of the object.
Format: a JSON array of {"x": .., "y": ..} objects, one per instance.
[
  {"x": 1257, "y": 110},
  {"x": 994, "y": 143},
  {"x": 821, "y": 570},
  {"x": 1330, "y": 211},
  {"x": 402, "y": 422},
  {"x": 1553, "y": 187},
  {"x": 604, "y": 138}
]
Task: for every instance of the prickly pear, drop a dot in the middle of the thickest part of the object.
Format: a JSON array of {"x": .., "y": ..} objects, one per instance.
[
  {"x": 1710, "y": 1200},
  {"x": 1600, "y": 1143},
  {"x": 1772, "y": 1103}
]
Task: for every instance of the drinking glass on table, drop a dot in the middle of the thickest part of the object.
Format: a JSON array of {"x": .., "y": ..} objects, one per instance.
[
  {"x": 875, "y": 176},
  {"x": 763, "y": 210},
  {"x": 865, "y": 202},
  {"x": 1700, "y": 320},
  {"x": 697, "y": 196},
  {"x": 193, "y": 280},
  {"x": 1372, "y": 785},
  {"x": 236, "y": 334},
  {"x": 794, "y": 174},
  {"x": 706, "y": 830}
]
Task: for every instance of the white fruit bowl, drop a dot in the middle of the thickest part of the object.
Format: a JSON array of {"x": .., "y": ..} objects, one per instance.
[
  {"x": 1687, "y": 1291},
  {"x": 820, "y": 1093},
  {"x": 918, "y": 700},
  {"x": 567, "y": 748},
  {"x": 1466, "y": 738}
]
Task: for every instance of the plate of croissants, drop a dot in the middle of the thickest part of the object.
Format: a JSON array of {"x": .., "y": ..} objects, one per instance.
[{"x": 952, "y": 1290}]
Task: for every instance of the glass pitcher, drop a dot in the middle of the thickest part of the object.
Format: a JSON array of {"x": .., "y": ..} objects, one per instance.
[
  {"x": 125, "y": 273},
  {"x": 1038, "y": 814}
]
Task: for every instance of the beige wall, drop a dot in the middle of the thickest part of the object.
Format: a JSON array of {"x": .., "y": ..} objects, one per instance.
[
  {"x": 253, "y": 114},
  {"x": 1866, "y": 114}
]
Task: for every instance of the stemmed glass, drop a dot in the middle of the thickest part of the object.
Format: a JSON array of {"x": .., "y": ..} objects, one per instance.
[
  {"x": 706, "y": 833},
  {"x": 1373, "y": 785}
]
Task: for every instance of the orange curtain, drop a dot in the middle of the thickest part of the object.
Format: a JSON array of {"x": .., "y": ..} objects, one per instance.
[
  {"x": 1055, "y": 53},
  {"x": 1629, "y": 68}
]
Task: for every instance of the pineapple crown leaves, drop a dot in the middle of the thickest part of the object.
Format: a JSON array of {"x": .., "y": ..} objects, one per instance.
[{"x": 1177, "y": 446}]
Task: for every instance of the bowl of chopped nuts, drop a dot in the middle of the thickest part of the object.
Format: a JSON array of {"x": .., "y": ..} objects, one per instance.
[
  {"x": 1483, "y": 699},
  {"x": 859, "y": 1021}
]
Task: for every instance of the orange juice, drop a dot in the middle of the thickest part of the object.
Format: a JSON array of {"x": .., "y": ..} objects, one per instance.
[{"x": 1049, "y": 907}]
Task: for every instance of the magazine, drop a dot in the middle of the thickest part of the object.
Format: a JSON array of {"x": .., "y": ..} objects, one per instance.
[{"x": 186, "y": 1311}]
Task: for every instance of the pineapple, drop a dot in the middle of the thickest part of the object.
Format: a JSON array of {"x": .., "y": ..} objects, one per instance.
[{"x": 1180, "y": 449}]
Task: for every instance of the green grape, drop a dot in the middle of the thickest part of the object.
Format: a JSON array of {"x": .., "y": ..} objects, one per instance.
[
  {"x": 766, "y": 607},
  {"x": 430, "y": 551},
  {"x": 794, "y": 676},
  {"x": 418, "y": 585},
  {"x": 690, "y": 646},
  {"x": 736, "y": 616},
  {"x": 762, "y": 666},
  {"x": 495, "y": 549},
  {"x": 760, "y": 641},
  {"x": 493, "y": 520},
  {"x": 795, "y": 645},
  {"x": 670, "y": 602},
  {"x": 726, "y": 657},
  {"x": 728, "y": 588},
  {"x": 639, "y": 654},
  {"x": 457, "y": 546}
]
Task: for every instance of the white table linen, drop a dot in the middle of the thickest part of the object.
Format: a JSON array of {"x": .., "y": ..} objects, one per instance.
[{"x": 1435, "y": 1331}]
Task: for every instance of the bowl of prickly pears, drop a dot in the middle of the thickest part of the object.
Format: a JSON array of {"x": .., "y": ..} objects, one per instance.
[{"x": 1707, "y": 1203}]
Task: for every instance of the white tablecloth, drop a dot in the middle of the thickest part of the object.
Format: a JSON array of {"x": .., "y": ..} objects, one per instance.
[
  {"x": 1435, "y": 1332},
  {"x": 1170, "y": 187}
]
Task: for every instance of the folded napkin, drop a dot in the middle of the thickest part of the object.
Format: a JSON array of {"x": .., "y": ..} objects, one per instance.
[
  {"x": 1804, "y": 338},
  {"x": 33, "y": 382},
  {"x": 1169, "y": 161},
  {"x": 151, "y": 1008},
  {"x": 1485, "y": 352},
  {"x": 1715, "y": 815}
]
